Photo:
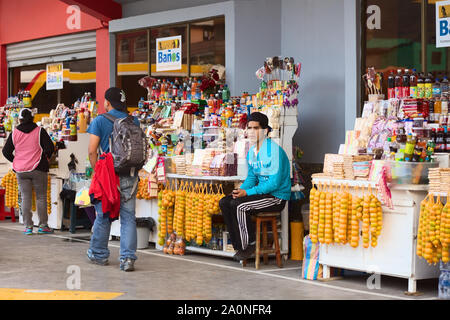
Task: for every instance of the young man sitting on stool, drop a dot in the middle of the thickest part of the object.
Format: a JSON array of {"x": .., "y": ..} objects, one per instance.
[{"x": 266, "y": 188}]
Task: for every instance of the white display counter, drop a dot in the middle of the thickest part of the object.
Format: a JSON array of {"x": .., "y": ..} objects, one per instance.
[{"x": 395, "y": 254}]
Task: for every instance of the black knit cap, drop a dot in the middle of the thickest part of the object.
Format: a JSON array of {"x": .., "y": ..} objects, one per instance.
[
  {"x": 116, "y": 97},
  {"x": 25, "y": 115},
  {"x": 261, "y": 118}
]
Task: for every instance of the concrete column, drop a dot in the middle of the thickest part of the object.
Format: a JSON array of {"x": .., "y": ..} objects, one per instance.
[{"x": 102, "y": 67}]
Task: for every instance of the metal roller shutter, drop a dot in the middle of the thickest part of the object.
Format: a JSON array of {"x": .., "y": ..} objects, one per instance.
[{"x": 55, "y": 49}]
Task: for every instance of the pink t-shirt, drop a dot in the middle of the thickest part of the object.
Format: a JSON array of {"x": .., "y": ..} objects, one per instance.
[{"x": 28, "y": 150}]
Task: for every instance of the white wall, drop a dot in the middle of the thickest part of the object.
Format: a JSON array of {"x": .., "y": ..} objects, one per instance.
[
  {"x": 313, "y": 33},
  {"x": 257, "y": 36}
]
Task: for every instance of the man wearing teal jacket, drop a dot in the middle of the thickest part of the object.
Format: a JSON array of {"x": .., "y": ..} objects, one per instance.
[{"x": 266, "y": 188}]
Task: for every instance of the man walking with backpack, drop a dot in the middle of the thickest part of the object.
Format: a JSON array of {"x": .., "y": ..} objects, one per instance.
[{"x": 116, "y": 134}]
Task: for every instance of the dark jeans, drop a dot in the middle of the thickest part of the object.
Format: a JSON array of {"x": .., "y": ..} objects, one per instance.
[{"x": 237, "y": 215}]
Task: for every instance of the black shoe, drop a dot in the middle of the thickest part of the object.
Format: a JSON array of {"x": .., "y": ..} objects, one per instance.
[
  {"x": 247, "y": 253},
  {"x": 237, "y": 255}
]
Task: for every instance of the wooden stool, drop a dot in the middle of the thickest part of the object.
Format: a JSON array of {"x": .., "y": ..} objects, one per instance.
[{"x": 261, "y": 221}]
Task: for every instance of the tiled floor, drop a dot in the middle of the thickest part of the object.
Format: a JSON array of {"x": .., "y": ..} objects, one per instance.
[{"x": 52, "y": 262}]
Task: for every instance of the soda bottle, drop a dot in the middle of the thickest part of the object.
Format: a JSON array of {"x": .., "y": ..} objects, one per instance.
[
  {"x": 399, "y": 84},
  {"x": 429, "y": 86},
  {"x": 420, "y": 87},
  {"x": 436, "y": 89},
  {"x": 225, "y": 93},
  {"x": 409, "y": 149},
  {"x": 405, "y": 88},
  {"x": 430, "y": 111},
  {"x": 391, "y": 85},
  {"x": 184, "y": 91},
  {"x": 413, "y": 85},
  {"x": 444, "y": 87},
  {"x": 440, "y": 143}
]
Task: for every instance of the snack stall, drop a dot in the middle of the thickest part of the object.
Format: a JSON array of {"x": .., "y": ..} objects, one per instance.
[
  {"x": 199, "y": 148},
  {"x": 367, "y": 204},
  {"x": 67, "y": 129}
]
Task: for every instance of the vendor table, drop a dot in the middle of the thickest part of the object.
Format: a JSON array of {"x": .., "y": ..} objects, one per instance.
[
  {"x": 149, "y": 208},
  {"x": 395, "y": 254}
]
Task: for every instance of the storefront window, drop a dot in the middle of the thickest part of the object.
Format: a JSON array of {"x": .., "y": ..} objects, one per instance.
[
  {"x": 207, "y": 46},
  {"x": 437, "y": 58},
  {"x": 201, "y": 48},
  {"x": 169, "y": 31},
  {"x": 392, "y": 35},
  {"x": 132, "y": 64},
  {"x": 79, "y": 77}
]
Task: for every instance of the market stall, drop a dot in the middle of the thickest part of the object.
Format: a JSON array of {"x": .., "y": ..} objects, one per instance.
[
  {"x": 367, "y": 203},
  {"x": 198, "y": 147},
  {"x": 201, "y": 146},
  {"x": 67, "y": 129}
]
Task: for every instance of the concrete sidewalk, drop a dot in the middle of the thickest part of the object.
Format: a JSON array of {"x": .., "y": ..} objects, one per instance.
[{"x": 44, "y": 263}]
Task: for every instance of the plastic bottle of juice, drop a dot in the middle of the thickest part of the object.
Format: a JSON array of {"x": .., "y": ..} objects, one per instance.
[
  {"x": 399, "y": 84},
  {"x": 409, "y": 149},
  {"x": 429, "y": 86},
  {"x": 413, "y": 85},
  {"x": 420, "y": 87}
]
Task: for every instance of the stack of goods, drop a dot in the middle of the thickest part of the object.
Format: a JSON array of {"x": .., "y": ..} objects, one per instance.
[
  {"x": 206, "y": 163},
  {"x": 9, "y": 182},
  {"x": 188, "y": 158},
  {"x": 180, "y": 164},
  {"x": 348, "y": 167},
  {"x": 361, "y": 166},
  {"x": 434, "y": 176},
  {"x": 335, "y": 217},
  {"x": 338, "y": 170},
  {"x": 433, "y": 236},
  {"x": 328, "y": 163},
  {"x": 191, "y": 220},
  {"x": 445, "y": 180}
]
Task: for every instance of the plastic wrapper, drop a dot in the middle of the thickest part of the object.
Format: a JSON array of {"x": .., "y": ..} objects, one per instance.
[
  {"x": 381, "y": 130},
  {"x": 180, "y": 247}
]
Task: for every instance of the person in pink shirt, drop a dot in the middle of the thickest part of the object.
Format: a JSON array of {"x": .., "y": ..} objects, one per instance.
[{"x": 29, "y": 147}]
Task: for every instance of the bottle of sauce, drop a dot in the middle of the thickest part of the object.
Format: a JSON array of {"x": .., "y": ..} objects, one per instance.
[
  {"x": 73, "y": 129},
  {"x": 409, "y": 149}
]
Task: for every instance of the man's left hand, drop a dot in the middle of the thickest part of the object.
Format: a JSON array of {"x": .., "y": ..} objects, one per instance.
[{"x": 239, "y": 193}]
